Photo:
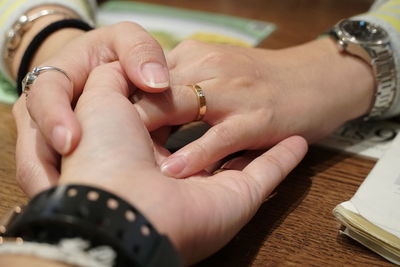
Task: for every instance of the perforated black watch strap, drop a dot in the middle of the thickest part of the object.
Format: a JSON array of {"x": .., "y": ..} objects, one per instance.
[{"x": 100, "y": 217}]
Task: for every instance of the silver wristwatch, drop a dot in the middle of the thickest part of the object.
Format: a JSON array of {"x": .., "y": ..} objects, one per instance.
[{"x": 371, "y": 43}]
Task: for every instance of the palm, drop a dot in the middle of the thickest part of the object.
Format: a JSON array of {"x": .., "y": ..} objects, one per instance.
[{"x": 201, "y": 213}]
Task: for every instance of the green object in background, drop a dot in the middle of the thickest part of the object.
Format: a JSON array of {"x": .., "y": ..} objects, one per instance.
[
  {"x": 171, "y": 25},
  {"x": 166, "y": 40},
  {"x": 8, "y": 93}
]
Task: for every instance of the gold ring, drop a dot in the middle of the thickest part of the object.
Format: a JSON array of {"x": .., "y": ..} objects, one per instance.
[
  {"x": 201, "y": 100},
  {"x": 220, "y": 170}
]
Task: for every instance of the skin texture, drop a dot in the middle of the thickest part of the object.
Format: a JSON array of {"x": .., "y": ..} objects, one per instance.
[
  {"x": 199, "y": 214},
  {"x": 256, "y": 97},
  {"x": 44, "y": 135},
  {"x": 274, "y": 94},
  {"x": 117, "y": 138}
]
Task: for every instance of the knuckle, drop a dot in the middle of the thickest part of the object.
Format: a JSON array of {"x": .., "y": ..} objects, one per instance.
[
  {"x": 289, "y": 152},
  {"x": 107, "y": 76},
  {"x": 216, "y": 57},
  {"x": 274, "y": 161},
  {"x": 101, "y": 70},
  {"x": 24, "y": 172},
  {"x": 248, "y": 189},
  {"x": 189, "y": 45},
  {"x": 200, "y": 149},
  {"x": 144, "y": 49},
  {"x": 253, "y": 191},
  {"x": 223, "y": 134},
  {"x": 127, "y": 25}
]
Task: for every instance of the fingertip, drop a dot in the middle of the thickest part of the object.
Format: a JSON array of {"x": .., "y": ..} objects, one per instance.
[
  {"x": 155, "y": 76},
  {"x": 143, "y": 60},
  {"x": 174, "y": 166},
  {"x": 61, "y": 139},
  {"x": 297, "y": 144},
  {"x": 151, "y": 77},
  {"x": 65, "y": 136}
]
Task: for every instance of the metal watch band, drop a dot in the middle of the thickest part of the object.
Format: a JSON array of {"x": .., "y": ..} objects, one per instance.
[
  {"x": 380, "y": 57},
  {"x": 386, "y": 80},
  {"x": 68, "y": 211}
]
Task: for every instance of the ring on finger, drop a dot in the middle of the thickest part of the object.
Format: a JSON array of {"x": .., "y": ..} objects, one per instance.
[
  {"x": 201, "y": 100},
  {"x": 31, "y": 77},
  {"x": 220, "y": 170}
]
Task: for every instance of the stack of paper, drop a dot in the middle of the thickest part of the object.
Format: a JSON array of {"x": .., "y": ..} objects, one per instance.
[{"x": 372, "y": 215}]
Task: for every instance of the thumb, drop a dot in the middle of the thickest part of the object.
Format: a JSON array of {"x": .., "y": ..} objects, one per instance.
[
  {"x": 269, "y": 169},
  {"x": 263, "y": 174},
  {"x": 141, "y": 56},
  {"x": 114, "y": 138}
]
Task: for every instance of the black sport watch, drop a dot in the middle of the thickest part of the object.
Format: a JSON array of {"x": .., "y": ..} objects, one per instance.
[{"x": 102, "y": 218}]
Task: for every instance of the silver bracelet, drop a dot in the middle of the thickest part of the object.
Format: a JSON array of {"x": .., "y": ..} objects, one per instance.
[
  {"x": 14, "y": 36},
  {"x": 72, "y": 251}
]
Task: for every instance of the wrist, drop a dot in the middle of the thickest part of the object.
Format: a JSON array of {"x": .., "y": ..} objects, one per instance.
[
  {"x": 53, "y": 44},
  {"x": 98, "y": 226},
  {"x": 338, "y": 86},
  {"x": 348, "y": 76},
  {"x": 35, "y": 27}
]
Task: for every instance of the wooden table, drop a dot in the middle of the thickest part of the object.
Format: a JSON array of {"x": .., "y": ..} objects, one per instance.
[{"x": 296, "y": 227}]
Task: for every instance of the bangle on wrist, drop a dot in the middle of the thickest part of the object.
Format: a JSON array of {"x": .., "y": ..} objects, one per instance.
[
  {"x": 101, "y": 218},
  {"x": 39, "y": 39},
  {"x": 15, "y": 35}
]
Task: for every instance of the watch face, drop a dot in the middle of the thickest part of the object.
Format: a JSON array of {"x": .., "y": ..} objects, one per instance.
[{"x": 363, "y": 31}]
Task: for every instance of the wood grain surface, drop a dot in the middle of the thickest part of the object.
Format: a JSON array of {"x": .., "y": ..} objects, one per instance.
[{"x": 296, "y": 226}]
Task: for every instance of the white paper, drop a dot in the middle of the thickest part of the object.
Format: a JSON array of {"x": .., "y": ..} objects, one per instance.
[{"x": 378, "y": 198}]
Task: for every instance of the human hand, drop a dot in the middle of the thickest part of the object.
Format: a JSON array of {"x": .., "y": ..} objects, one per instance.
[
  {"x": 199, "y": 214},
  {"x": 256, "y": 97},
  {"x": 52, "y": 122}
]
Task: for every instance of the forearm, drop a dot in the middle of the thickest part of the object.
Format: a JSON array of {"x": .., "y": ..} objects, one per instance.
[
  {"x": 319, "y": 85},
  {"x": 340, "y": 79},
  {"x": 16, "y": 260}
]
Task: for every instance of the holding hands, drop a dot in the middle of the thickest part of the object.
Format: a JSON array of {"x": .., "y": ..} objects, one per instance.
[
  {"x": 255, "y": 98},
  {"x": 199, "y": 214},
  {"x": 104, "y": 143},
  {"x": 51, "y": 127}
]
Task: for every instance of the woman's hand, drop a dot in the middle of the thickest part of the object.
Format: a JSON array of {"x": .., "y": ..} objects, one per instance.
[
  {"x": 199, "y": 214},
  {"x": 256, "y": 97},
  {"x": 52, "y": 122}
]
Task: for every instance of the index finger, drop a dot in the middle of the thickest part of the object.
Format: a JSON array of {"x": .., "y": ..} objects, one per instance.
[
  {"x": 113, "y": 134},
  {"x": 50, "y": 97}
]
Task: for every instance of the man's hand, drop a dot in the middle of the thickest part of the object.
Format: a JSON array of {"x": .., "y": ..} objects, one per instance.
[
  {"x": 52, "y": 126},
  {"x": 200, "y": 214}
]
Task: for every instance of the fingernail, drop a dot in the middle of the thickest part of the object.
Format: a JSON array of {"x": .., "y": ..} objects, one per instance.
[
  {"x": 173, "y": 166},
  {"x": 155, "y": 75},
  {"x": 62, "y": 139}
]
